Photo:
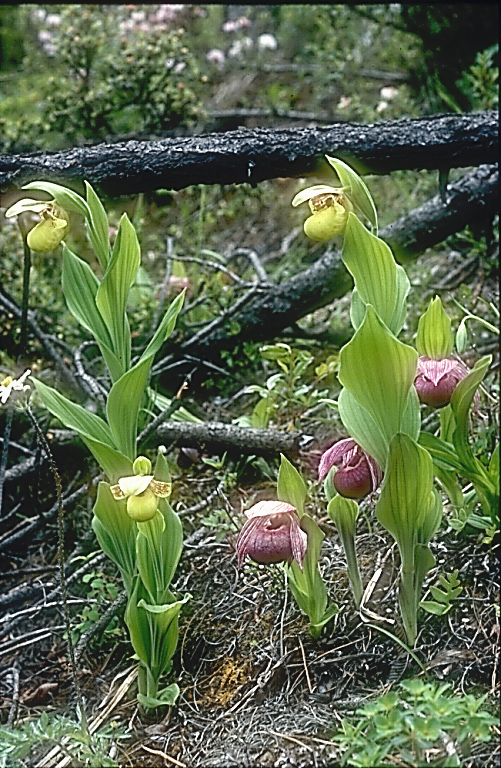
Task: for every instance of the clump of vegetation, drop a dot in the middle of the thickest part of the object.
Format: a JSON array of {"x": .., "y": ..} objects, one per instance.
[{"x": 420, "y": 724}]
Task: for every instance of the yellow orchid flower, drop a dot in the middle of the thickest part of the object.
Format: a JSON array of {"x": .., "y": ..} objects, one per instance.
[
  {"x": 52, "y": 228},
  {"x": 330, "y": 208},
  {"x": 141, "y": 490}
]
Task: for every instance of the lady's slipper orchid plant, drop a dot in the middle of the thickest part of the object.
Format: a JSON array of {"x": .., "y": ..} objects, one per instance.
[
  {"x": 357, "y": 474},
  {"x": 52, "y": 228},
  {"x": 382, "y": 381},
  {"x": 146, "y": 542},
  {"x": 272, "y": 534}
]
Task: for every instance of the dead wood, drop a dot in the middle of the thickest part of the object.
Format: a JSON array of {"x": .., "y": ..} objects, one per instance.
[
  {"x": 217, "y": 437},
  {"x": 235, "y": 157}
]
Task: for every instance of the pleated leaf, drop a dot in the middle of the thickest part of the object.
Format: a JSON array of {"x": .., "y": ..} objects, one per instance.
[
  {"x": 461, "y": 403},
  {"x": 362, "y": 428},
  {"x": 115, "y": 286},
  {"x": 93, "y": 430},
  {"x": 434, "y": 335},
  {"x": 370, "y": 261},
  {"x": 406, "y": 494},
  {"x": 98, "y": 226},
  {"x": 291, "y": 487},
  {"x": 115, "y": 532},
  {"x": 378, "y": 370}
]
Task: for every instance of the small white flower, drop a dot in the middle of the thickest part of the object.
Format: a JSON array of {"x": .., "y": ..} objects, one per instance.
[
  {"x": 216, "y": 56},
  {"x": 267, "y": 42},
  {"x": 388, "y": 92},
  {"x": 53, "y": 20},
  {"x": 8, "y": 385}
]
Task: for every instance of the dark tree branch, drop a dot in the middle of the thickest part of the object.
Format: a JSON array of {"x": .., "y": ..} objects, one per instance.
[
  {"x": 217, "y": 437},
  {"x": 235, "y": 157},
  {"x": 267, "y": 313}
]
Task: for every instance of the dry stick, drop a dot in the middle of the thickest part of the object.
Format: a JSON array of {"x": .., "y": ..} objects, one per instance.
[
  {"x": 64, "y": 595},
  {"x": 26, "y": 295},
  {"x": 15, "y": 696},
  {"x": 5, "y": 452}
]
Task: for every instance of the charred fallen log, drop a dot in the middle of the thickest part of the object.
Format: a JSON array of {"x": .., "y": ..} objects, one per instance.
[{"x": 235, "y": 157}]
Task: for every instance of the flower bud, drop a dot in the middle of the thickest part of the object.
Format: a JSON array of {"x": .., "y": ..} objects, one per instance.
[
  {"x": 142, "y": 466},
  {"x": 357, "y": 474},
  {"x": 436, "y": 380}
]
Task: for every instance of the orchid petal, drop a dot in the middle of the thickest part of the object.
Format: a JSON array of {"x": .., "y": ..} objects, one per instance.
[{"x": 135, "y": 484}]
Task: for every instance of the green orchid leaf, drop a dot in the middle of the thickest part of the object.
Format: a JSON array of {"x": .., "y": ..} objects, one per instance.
[
  {"x": 357, "y": 309},
  {"x": 403, "y": 287},
  {"x": 434, "y": 335},
  {"x": 494, "y": 466},
  {"x": 450, "y": 484},
  {"x": 307, "y": 585},
  {"x": 362, "y": 428},
  {"x": 124, "y": 402},
  {"x": 65, "y": 198},
  {"x": 167, "y": 697},
  {"x": 424, "y": 561},
  {"x": 461, "y": 401},
  {"x": 344, "y": 513},
  {"x": 411, "y": 418},
  {"x": 138, "y": 624},
  {"x": 98, "y": 226},
  {"x": 431, "y": 521},
  {"x": 379, "y": 371},
  {"x": 112, "y": 295},
  {"x": 116, "y": 533},
  {"x": 447, "y": 424},
  {"x": 171, "y": 542},
  {"x": 356, "y": 189},
  {"x": 73, "y": 415},
  {"x": 291, "y": 487},
  {"x": 161, "y": 471},
  {"x": 80, "y": 287},
  {"x": 165, "y": 328},
  {"x": 148, "y": 556},
  {"x": 163, "y": 628},
  {"x": 114, "y": 463},
  {"x": 443, "y": 454},
  {"x": 93, "y": 430},
  {"x": 406, "y": 494},
  {"x": 370, "y": 261},
  {"x": 126, "y": 394},
  {"x": 159, "y": 548}
]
